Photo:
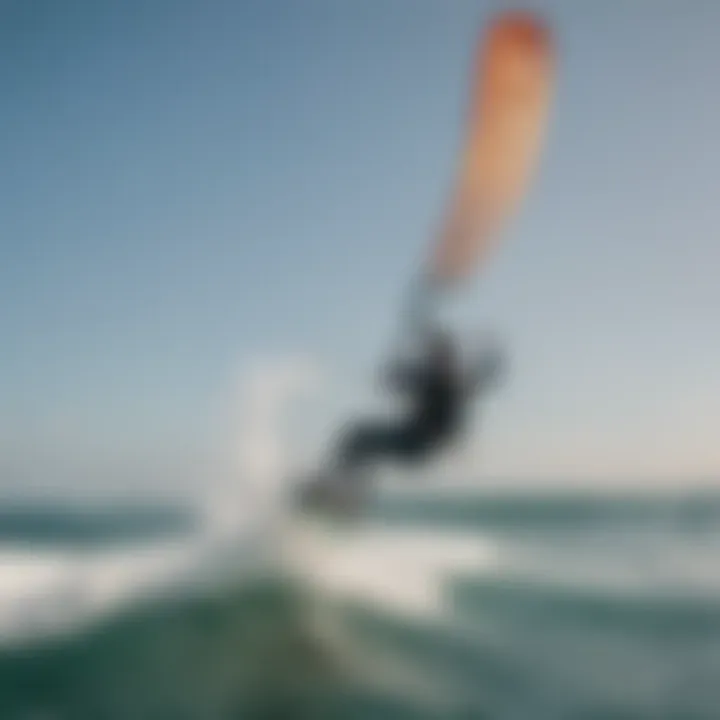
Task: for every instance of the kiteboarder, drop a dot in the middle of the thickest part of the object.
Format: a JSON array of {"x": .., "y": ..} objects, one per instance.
[{"x": 439, "y": 394}]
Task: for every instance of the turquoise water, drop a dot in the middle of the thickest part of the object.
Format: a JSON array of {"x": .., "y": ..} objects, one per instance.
[{"x": 546, "y": 606}]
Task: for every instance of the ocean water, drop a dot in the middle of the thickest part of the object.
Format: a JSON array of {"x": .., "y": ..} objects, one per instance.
[{"x": 435, "y": 606}]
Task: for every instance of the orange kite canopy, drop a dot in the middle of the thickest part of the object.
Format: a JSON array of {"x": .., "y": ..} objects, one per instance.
[{"x": 509, "y": 100}]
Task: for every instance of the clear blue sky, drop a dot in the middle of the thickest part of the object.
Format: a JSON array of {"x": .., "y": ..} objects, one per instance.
[{"x": 184, "y": 183}]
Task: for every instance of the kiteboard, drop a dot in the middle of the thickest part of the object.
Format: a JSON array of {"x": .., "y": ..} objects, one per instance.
[{"x": 329, "y": 499}]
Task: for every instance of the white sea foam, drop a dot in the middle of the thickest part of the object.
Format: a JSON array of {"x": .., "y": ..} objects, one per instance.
[
  {"x": 44, "y": 592},
  {"x": 401, "y": 571}
]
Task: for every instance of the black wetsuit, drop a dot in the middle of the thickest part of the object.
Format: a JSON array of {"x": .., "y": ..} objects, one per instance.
[{"x": 438, "y": 397}]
